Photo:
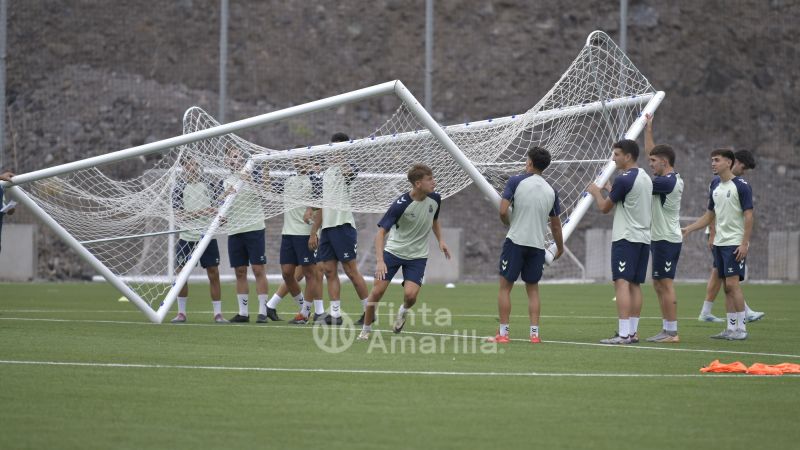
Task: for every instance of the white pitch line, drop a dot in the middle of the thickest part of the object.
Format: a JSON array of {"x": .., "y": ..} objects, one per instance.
[
  {"x": 380, "y": 372},
  {"x": 421, "y": 333}
]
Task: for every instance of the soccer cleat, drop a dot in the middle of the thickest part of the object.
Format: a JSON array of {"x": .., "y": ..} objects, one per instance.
[
  {"x": 754, "y": 316},
  {"x": 219, "y": 319},
  {"x": 535, "y": 340},
  {"x": 723, "y": 335},
  {"x": 737, "y": 335},
  {"x": 634, "y": 338},
  {"x": 272, "y": 313},
  {"x": 299, "y": 319},
  {"x": 709, "y": 318},
  {"x": 180, "y": 318},
  {"x": 320, "y": 318},
  {"x": 658, "y": 337},
  {"x": 498, "y": 339},
  {"x": 616, "y": 340},
  {"x": 363, "y": 336},
  {"x": 669, "y": 339},
  {"x": 399, "y": 322},
  {"x": 262, "y": 318},
  {"x": 330, "y": 320},
  {"x": 240, "y": 319}
]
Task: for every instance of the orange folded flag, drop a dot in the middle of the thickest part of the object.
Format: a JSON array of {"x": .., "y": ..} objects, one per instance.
[
  {"x": 788, "y": 367},
  {"x": 718, "y": 367},
  {"x": 755, "y": 369},
  {"x": 763, "y": 369}
]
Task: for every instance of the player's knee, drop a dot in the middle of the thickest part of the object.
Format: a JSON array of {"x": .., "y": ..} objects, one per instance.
[
  {"x": 410, "y": 299},
  {"x": 241, "y": 272},
  {"x": 350, "y": 269},
  {"x": 213, "y": 273},
  {"x": 288, "y": 275}
]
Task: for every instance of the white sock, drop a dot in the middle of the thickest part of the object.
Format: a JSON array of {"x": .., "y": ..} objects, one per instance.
[
  {"x": 534, "y": 330},
  {"x": 299, "y": 298},
  {"x": 624, "y": 327},
  {"x": 664, "y": 324},
  {"x": 319, "y": 307},
  {"x": 182, "y": 305},
  {"x": 731, "y": 320},
  {"x": 262, "y": 303},
  {"x": 671, "y": 326},
  {"x": 305, "y": 310},
  {"x": 366, "y": 328},
  {"x": 706, "y": 308},
  {"x": 402, "y": 310},
  {"x": 242, "y": 298},
  {"x": 741, "y": 318},
  {"x": 336, "y": 308},
  {"x": 747, "y": 309},
  {"x": 364, "y": 304},
  {"x": 634, "y": 325},
  {"x": 217, "y": 305},
  {"x": 503, "y": 329},
  {"x": 274, "y": 301}
]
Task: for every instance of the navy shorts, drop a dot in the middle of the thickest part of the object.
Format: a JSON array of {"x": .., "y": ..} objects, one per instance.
[
  {"x": 726, "y": 264},
  {"x": 521, "y": 259},
  {"x": 629, "y": 260},
  {"x": 247, "y": 248},
  {"x": 295, "y": 251},
  {"x": 339, "y": 243},
  {"x": 665, "y": 259},
  {"x": 184, "y": 249},
  {"x": 413, "y": 269}
]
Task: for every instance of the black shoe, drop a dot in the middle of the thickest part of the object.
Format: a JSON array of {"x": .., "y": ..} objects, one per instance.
[
  {"x": 361, "y": 319},
  {"x": 262, "y": 318},
  {"x": 320, "y": 318},
  {"x": 239, "y": 319},
  {"x": 272, "y": 314},
  {"x": 330, "y": 320}
]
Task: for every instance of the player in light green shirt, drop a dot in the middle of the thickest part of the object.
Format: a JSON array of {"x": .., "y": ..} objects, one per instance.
[
  {"x": 631, "y": 199},
  {"x": 665, "y": 232},
  {"x": 744, "y": 162},
  {"x": 193, "y": 205},
  {"x": 338, "y": 240},
  {"x": 408, "y": 222},
  {"x": 730, "y": 207},
  {"x": 245, "y": 223}
]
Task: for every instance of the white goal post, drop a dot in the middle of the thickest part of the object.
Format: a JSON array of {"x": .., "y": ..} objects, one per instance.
[{"x": 118, "y": 226}]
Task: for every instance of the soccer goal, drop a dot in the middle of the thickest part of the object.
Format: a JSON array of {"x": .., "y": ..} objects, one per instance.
[{"x": 125, "y": 226}]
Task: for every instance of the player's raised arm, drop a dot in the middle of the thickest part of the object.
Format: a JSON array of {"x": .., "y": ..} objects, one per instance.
[{"x": 649, "y": 143}]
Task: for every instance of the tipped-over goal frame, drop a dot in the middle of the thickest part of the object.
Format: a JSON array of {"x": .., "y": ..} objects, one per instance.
[{"x": 601, "y": 98}]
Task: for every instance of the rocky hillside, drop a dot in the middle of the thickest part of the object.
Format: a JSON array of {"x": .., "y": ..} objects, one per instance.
[{"x": 87, "y": 78}]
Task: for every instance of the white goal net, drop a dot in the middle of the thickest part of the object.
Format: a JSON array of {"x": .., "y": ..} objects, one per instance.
[{"x": 130, "y": 224}]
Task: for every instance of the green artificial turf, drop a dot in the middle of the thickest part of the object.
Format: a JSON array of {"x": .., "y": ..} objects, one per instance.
[{"x": 81, "y": 370}]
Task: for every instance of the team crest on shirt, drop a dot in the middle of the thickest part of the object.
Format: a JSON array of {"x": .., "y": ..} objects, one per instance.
[
  {"x": 430, "y": 209},
  {"x": 728, "y": 195}
]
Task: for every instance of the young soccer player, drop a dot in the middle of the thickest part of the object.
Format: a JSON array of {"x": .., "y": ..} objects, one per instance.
[
  {"x": 246, "y": 245},
  {"x": 665, "y": 232},
  {"x": 534, "y": 203},
  {"x": 744, "y": 162},
  {"x": 338, "y": 239},
  {"x": 408, "y": 222},
  {"x": 193, "y": 202},
  {"x": 631, "y": 199},
  {"x": 730, "y": 208},
  {"x": 296, "y": 248}
]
